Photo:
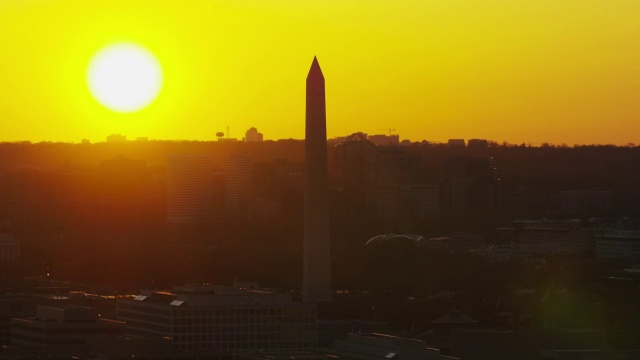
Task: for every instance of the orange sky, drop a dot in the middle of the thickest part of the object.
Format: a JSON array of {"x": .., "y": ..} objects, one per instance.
[{"x": 519, "y": 71}]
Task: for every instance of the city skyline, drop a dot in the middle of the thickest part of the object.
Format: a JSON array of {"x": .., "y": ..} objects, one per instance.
[
  {"x": 528, "y": 72},
  {"x": 462, "y": 185}
]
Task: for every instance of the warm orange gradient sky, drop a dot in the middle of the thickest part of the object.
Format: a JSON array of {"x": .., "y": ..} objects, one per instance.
[{"x": 521, "y": 71}]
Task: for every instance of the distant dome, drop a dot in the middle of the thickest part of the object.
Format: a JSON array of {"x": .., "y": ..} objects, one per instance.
[{"x": 391, "y": 237}]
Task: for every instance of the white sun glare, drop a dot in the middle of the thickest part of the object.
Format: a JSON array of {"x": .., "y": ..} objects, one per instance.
[{"x": 124, "y": 77}]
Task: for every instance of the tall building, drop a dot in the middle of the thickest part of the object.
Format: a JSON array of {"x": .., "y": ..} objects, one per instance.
[
  {"x": 316, "y": 285},
  {"x": 383, "y": 140},
  {"x": 189, "y": 188},
  {"x": 252, "y": 135},
  {"x": 238, "y": 184},
  {"x": 355, "y": 161},
  {"x": 396, "y": 167},
  {"x": 9, "y": 245},
  {"x": 420, "y": 201},
  {"x": 470, "y": 184}
]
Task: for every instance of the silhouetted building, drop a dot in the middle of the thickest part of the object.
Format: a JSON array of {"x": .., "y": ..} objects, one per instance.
[
  {"x": 477, "y": 144},
  {"x": 534, "y": 237},
  {"x": 238, "y": 184},
  {"x": 420, "y": 200},
  {"x": 189, "y": 188},
  {"x": 383, "y": 201},
  {"x": 116, "y": 138},
  {"x": 585, "y": 202},
  {"x": 456, "y": 142},
  {"x": 122, "y": 178},
  {"x": 209, "y": 317},
  {"x": 396, "y": 167},
  {"x": 290, "y": 178},
  {"x": 470, "y": 184},
  {"x": 267, "y": 210},
  {"x": 252, "y": 135},
  {"x": 383, "y": 140},
  {"x": 355, "y": 161},
  {"x": 316, "y": 285},
  {"x": 9, "y": 245}
]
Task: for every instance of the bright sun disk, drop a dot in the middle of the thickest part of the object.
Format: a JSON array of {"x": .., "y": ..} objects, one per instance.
[{"x": 124, "y": 77}]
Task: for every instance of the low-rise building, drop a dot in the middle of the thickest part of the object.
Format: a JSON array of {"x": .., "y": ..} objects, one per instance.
[{"x": 226, "y": 319}]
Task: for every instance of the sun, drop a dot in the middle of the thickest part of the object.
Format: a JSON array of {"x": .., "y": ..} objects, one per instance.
[{"x": 124, "y": 77}]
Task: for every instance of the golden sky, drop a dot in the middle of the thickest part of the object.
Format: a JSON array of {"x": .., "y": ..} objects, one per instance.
[{"x": 508, "y": 70}]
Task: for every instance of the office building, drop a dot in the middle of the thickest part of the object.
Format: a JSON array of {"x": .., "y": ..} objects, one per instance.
[
  {"x": 470, "y": 184},
  {"x": 238, "y": 184},
  {"x": 223, "y": 319},
  {"x": 189, "y": 188},
  {"x": 9, "y": 245},
  {"x": 586, "y": 202},
  {"x": 420, "y": 201},
  {"x": 383, "y": 140},
  {"x": 355, "y": 161},
  {"x": 396, "y": 167}
]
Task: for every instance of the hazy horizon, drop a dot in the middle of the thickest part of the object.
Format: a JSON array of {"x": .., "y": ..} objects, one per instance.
[{"x": 529, "y": 71}]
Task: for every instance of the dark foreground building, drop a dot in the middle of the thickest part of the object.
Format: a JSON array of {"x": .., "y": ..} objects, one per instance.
[{"x": 221, "y": 319}]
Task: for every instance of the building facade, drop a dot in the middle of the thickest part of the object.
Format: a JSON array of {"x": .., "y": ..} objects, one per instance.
[
  {"x": 189, "y": 188},
  {"x": 238, "y": 184},
  {"x": 210, "y": 318}
]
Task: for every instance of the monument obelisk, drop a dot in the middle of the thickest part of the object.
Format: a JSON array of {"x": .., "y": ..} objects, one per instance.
[{"x": 316, "y": 285}]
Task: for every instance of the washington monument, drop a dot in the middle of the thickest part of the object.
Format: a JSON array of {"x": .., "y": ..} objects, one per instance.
[{"x": 316, "y": 285}]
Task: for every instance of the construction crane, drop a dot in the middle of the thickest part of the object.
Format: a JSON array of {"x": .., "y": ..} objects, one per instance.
[{"x": 391, "y": 131}]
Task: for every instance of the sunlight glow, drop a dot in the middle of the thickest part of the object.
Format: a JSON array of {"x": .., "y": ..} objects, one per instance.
[{"x": 124, "y": 77}]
